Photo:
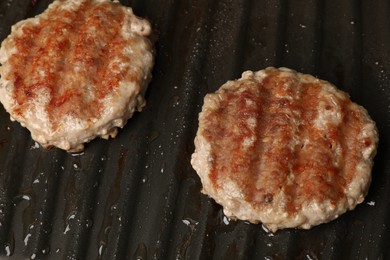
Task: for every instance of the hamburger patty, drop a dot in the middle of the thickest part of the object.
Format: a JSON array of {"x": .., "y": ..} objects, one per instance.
[
  {"x": 284, "y": 148},
  {"x": 77, "y": 71}
]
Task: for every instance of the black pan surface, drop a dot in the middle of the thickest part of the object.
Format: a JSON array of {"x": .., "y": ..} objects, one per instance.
[{"x": 137, "y": 197}]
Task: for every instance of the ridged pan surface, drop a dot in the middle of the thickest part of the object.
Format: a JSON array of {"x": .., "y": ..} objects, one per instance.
[{"x": 137, "y": 196}]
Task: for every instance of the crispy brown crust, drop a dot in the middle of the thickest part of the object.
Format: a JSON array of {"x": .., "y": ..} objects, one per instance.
[{"x": 284, "y": 140}]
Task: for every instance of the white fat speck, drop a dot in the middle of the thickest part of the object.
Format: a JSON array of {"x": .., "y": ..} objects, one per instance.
[
  {"x": 251, "y": 122},
  {"x": 249, "y": 102},
  {"x": 371, "y": 203},
  {"x": 248, "y": 141}
]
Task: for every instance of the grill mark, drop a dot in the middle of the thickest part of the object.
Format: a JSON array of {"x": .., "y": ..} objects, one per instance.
[
  {"x": 289, "y": 181},
  {"x": 277, "y": 124},
  {"x": 232, "y": 139},
  {"x": 248, "y": 159},
  {"x": 38, "y": 41},
  {"x": 319, "y": 178},
  {"x": 263, "y": 103},
  {"x": 307, "y": 108},
  {"x": 350, "y": 145}
]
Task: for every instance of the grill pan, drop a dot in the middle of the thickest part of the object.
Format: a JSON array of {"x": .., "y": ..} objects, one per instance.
[{"x": 137, "y": 197}]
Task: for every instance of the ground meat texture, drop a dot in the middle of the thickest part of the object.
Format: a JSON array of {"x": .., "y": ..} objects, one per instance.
[
  {"x": 77, "y": 71},
  {"x": 284, "y": 148}
]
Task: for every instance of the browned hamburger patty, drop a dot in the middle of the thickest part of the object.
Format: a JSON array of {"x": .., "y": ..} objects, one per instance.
[
  {"x": 78, "y": 70},
  {"x": 284, "y": 148}
]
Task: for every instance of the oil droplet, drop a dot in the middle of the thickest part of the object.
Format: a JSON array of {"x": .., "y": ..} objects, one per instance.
[
  {"x": 162, "y": 167},
  {"x": 77, "y": 154},
  {"x": 33, "y": 256},
  {"x": 69, "y": 221},
  {"x": 141, "y": 252},
  {"x": 34, "y": 146},
  {"x": 190, "y": 223},
  {"x": 26, "y": 239},
  {"x": 7, "y": 250},
  {"x": 101, "y": 249},
  {"x": 71, "y": 216},
  {"x": 145, "y": 179},
  {"x": 10, "y": 246},
  {"x": 225, "y": 220},
  {"x": 26, "y": 197},
  {"x": 174, "y": 101},
  {"x": 46, "y": 250},
  {"x": 67, "y": 228},
  {"x": 269, "y": 233},
  {"x": 88, "y": 223},
  {"x": 113, "y": 208},
  {"x": 187, "y": 239},
  {"x": 310, "y": 257}
]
